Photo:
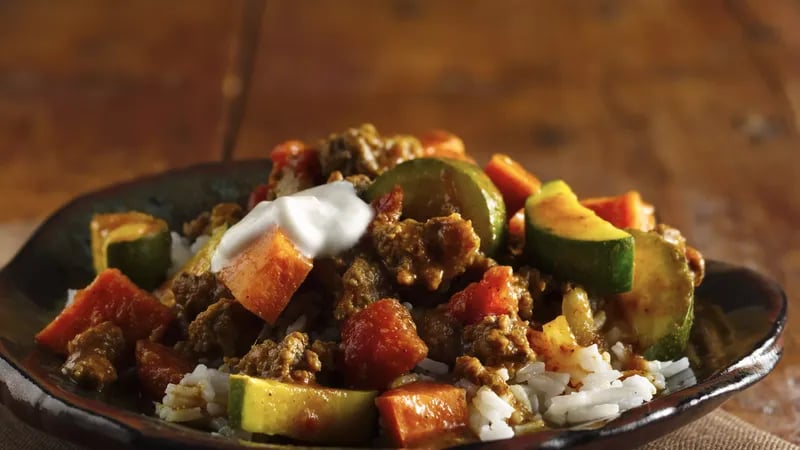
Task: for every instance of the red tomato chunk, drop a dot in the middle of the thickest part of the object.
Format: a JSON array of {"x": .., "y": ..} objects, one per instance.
[{"x": 491, "y": 296}]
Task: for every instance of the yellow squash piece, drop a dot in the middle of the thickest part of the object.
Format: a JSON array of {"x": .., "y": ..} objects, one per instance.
[{"x": 303, "y": 412}]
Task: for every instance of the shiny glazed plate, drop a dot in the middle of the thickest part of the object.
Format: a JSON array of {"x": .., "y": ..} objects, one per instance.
[{"x": 736, "y": 339}]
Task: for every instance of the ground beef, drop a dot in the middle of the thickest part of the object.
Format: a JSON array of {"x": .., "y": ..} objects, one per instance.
[
  {"x": 291, "y": 360},
  {"x": 362, "y": 283},
  {"x": 195, "y": 293},
  {"x": 225, "y": 329},
  {"x": 499, "y": 341},
  {"x": 360, "y": 182},
  {"x": 472, "y": 370},
  {"x": 363, "y": 151},
  {"x": 697, "y": 265},
  {"x": 207, "y": 221},
  {"x": 92, "y": 355},
  {"x": 429, "y": 253},
  {"x": 441, "y": 333},
  {"x": 543, "y": 291}
]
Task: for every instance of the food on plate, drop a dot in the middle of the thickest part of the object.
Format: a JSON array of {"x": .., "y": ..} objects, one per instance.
[{"x": 386, "y": 291}]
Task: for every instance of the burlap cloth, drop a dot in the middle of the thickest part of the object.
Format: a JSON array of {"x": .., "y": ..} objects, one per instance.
[{"x": 718, "y": 430}]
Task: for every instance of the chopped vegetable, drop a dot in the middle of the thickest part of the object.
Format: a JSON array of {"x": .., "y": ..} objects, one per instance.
[
  {"x": 516, "y": 226},
  {"x": 264, "y": 276},
  {"x": 157, "y": 366},
  {"x": 136, "y": 243},
  {"x": 415, "y": 412},
  {"x": 294, "y": 167},
  {"x": 110, "y": 297},
  {"x": 443, "y": 144},
  {"x": 577, "y": 310},
  {"x": 306, "y": 413},
  {"x": 514, "y": 182},
  {"x": 380, "y": 343},
  {"x": 570, "y": 241},
  {"x": 659, "y": 307},
  {"x": 434, "y": 187},
  {"x": 624, "y": 211},
  {"x": 490, "y": 296}
]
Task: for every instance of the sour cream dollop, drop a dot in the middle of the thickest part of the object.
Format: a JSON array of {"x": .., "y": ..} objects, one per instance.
[{"x": 321, "y": 221}]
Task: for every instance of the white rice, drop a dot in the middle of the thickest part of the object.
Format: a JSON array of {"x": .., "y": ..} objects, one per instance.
[
  {"x": 199, "y": 243},
  {"x": 70, "y": 296},
  {"x": 432, "y": 367},
  {"x": 601, "y": 393},
  {"x": 180, "y": 253},
  {"x": 298, "y": 325},
  {"x": 201, "y": 394}
]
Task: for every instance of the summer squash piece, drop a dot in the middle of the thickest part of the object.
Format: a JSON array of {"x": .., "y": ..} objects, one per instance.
[
  {"x": 417, "y": 412},
  {"x": 435, "y": 187},
  {"x": 514, "y": 181},
  {"x": 303, "y": 412},
  {"x": 110, "y": 297},
  {"x": 380, "y": 343},
  {"x": 490, "y": 296},
  {"x": 157, "y": 366},
  {"x": 660, "y": 307},
  {"x": 136, "y": 243},
  {"x": 265, "y": 275},
  {"x": 623, "y": 211},
  {"x": 568, "y": 240}
]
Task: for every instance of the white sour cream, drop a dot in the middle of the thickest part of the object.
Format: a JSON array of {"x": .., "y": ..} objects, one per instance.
[{"x": 321, "y": 221}]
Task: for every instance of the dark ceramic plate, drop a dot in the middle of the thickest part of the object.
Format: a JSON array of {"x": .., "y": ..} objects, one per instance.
[{"x": 736, "y": 338}]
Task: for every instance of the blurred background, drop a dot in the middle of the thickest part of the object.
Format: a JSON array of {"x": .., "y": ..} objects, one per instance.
[{"x": 693, "y": 103}]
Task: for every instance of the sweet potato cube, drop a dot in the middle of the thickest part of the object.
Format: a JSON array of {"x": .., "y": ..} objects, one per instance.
[
  {"x": 623, "y": 211},
  {"x": 110, "y": 297},
  {"x": 380, "y": 343},
  {"x": 419, "y": 411},
  {"x": 157, "y": 366},
  {"x": 266, "y": 274}
]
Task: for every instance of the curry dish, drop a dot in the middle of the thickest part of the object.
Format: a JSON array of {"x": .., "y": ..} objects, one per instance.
[{"x": 387, "y": 291}]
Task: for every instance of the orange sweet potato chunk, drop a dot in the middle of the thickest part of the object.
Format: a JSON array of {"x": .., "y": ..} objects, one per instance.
[
  {"x": 380, "y": 343},
  {"x": 419, "y": 411},
  {"x": 266, "y": 274},
  {"x": 110, "y": 297},
  {"x": 157, "y": 366}
]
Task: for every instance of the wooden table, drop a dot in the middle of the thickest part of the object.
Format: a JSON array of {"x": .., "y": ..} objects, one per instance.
[{"x": 693, "y": 103}]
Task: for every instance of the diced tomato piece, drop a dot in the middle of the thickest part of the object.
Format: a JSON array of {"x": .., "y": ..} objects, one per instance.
[
  {"x": 493, "y": 295},
  {"x": 514, "y": 181},
  {"x": 303, "y": 160},
  {"x": 419, "y": 411},
  {"x": 516, "y": 225},
  {"x": 380, "y": 343},
  {"x": 110, "y": 297},
  {"x": 623, "y": 211},
  {"x": 443, "y": 144},
  {"x": 265, "y": 275},
  {"x": 257, "y": 195},
  {"x": 157, "y": 366}
]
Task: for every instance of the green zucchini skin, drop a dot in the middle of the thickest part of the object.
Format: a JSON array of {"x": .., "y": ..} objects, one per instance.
[
  {"x": 660, "y": 306},
  {"x": 440, "y": 186},
  {"x": 145, "y": 260},
  {"x": 568, "y": 240},
  {"x": 137, "y": 244}
]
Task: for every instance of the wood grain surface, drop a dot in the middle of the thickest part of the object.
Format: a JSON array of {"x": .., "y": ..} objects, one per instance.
[{"x": 693, "y": 103}]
